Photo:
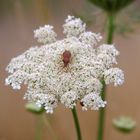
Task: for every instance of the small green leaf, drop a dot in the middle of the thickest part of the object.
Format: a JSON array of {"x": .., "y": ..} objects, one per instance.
[{"x": 124, "y": 124}]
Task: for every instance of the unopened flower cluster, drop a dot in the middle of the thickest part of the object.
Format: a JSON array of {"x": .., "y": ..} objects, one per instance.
[{"x": 67, "y": 71}]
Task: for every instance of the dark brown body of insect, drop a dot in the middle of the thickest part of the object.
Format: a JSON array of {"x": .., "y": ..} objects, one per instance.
[
  {"x": 81, "y": 103},
  {"x": 66, "y": 57}
]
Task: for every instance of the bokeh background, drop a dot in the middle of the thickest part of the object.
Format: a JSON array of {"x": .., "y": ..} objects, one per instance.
[{"x": 18, "y": 19}]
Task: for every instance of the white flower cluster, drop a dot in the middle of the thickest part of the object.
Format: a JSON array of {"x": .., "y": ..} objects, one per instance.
[
  {"x": 45, "y": 34},
  {"x": 114, "y": 75},
  {"x": 93, "y": 101},
  {"x": 66, "y": 71},
  {"x": 73, "y": 26},
  {"x": 90, "y": 38}
]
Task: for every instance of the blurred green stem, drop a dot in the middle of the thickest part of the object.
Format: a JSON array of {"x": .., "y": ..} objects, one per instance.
[
  {"x": 110, "y": 27},
  {"x": 110, "y": 34},
  {"x": 39, "y": 127},
  {"x": 42, "y": 121},
  {"x": 76, "y": 122},
  {"x": 101, "y": 115},
  {"x": 49, "y": 127}
]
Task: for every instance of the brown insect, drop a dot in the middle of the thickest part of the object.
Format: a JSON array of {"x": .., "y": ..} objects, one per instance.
[
  {"x": 81, "y": 103},
  {"x": 66, "y": 57}
]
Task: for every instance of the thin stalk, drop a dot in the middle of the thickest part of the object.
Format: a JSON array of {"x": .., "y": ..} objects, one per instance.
[
  {"x": 39, "y": 128},
  {"x": 110, "y": 27},
  {"x": 110, "y": 34},
  {"x": 76, "y": 122},
  {"x": 49, "y": 127},
  {"x": 101, "y": 115}
]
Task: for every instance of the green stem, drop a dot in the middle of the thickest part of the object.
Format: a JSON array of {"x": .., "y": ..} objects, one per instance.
[
  {"x": 110, "y": 35},
  {"x": 39, "y": 127},
  {"x": 101, "y": 116},
  {"x": 76, "y": 121},
  {"x": 49, "y": 127},
  {"x": 110, "y": 27}
]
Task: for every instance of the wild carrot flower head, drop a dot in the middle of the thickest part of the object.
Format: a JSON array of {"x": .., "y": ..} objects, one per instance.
[{"x": 65, "y": 71}]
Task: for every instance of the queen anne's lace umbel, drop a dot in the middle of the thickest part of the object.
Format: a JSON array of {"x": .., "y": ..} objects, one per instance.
[{"x": 65, "y": 71}]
